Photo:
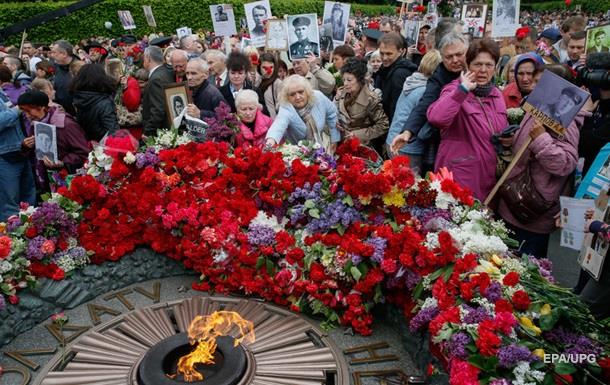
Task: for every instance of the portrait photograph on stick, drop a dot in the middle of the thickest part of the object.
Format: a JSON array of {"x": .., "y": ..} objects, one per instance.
[
  {"x": 598, "y": 39},
  {"x": 474, "y": 16},
  {"x": 126, "y": 20},
  {"x": 257, "y": 14},
  {"x": 411, "y": 32},
  {"x": 150, "y": 18},
  {"x": 277, "y": 35},
  {"x": 303, "y": 36},
  {"x": 555, "y": 102},
  {"x": 46, "y": 141},
  {"x": 336, "y": 17},
  {"x": 505, "y": 18},
  {"x": 176, "y": 99},
  {"x": 223, "y": 19}
]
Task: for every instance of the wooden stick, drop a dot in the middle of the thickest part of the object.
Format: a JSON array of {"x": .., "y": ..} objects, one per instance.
[
  {"x": 23, "y": 36},
  {"x": 509, "y": 169}
]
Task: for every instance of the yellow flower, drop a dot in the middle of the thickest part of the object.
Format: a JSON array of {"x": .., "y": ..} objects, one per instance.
[
  {"x": 394, "y": 198},
  {"x": 529, "y": 325},
  {"x": 497, "y": 260},
  {"x": 2, "y": 227},
  {"x": 539, "y": 352},
  {"x": 546, "y": 309}
]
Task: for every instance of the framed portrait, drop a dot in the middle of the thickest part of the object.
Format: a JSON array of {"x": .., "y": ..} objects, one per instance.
[
  {"x": 303, "y": 36},
  {"x": 176, "y": 99},
  {"x": 183, "y": 31},
  {"x": 277, "y": 35},
  {"x": 474, "y": 16},
  {"x": 45, "y": 139},
  {"x": 150, "y": 18},
  {"x": 335, "y": 20},
  {"x": 555, "y": 102},
  {"x": 126, "y": 20},
  {"x": 411, "y": 29},
  {"x": 594, "y": 249},
  {"x": 505, "y": 18},
  {"x": 223, "y": 19},
  {"x": 257, "y": 14},
  {"x": 598, "y": 39}
]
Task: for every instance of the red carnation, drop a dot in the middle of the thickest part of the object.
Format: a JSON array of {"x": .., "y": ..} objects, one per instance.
[
  {"x": 389, "y": 266},
  {"x": 316, "y": 272},
  {"x": 521, "y": 300},
  {"x": 511, "y": 279},
  {"x": 31, "y": 232},
  {"x": 13, "y": 299},
  {"x": 503, "y": 305},
  {"x": 5, "y": 246}
]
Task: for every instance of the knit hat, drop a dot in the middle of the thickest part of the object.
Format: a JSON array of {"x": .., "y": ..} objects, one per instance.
[
  {"x": 531, "y": 57},
  {"x": 33, "y": 98}
]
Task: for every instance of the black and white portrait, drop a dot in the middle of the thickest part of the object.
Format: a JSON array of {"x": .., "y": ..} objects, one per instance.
[
  {"x": 277, "y": 35},
  {"x": 303, "y": 36},
  {"x": 557, "y": 99},
  {"x": 411, "y": 32},
  {"x": 183, "y": 31},
  {"x": 150, "y": 18},
  {"x": 473, "y": 16},
  {"x": 126, "y": 20},
  {"x": 597, "y": 39},
  {"x": 505, "y": 17},
  {"x": 257, "y": 14},
  {"x": 223, "y": 19},
  {"x": 46, "y": 141},
  {"x": 336, "y": 17}
]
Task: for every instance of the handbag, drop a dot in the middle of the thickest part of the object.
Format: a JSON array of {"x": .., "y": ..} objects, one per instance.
[{"x": 523, "y": 199}]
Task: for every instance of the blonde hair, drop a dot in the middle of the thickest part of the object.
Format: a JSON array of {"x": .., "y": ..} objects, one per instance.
[
  {"x": 429, "y": 62},
  {"x": 40, "y": 84},
  {"x": 375, "y": 54},
  {"x": 295, "y": 81},
  {"x": 115, "y": 68},
  {"x": 246, "y": 96},
  {"x": 509, "y": 69}
]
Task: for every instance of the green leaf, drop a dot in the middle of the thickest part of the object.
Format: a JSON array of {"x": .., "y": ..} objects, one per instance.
[
  {"x": 259, "y": 262},
  {"x": 565, "y": 368},
  {"x": 447, "y": 274},
  {"x": 355, "y": 273},
  {"x": 309, "y": 204},
  {"x": 547, "y": 322},
  {"x": 348, "y": 200},
  {"x": 270, "y": 266},
  {"x": 548, "y": 379},
  {"x": 418, "y": 290},
  {"x": 314, "y": 213}
]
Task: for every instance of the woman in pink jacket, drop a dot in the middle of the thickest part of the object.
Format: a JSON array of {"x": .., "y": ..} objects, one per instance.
[
  {"x": 468, "y": 112},
  {"x": 253, "y": 123}
]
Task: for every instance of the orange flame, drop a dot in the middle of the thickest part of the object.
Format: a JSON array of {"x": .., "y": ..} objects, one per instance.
[{"x": 203, "y": 331}]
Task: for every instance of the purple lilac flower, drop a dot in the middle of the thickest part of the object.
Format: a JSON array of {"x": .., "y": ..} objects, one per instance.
[
  {"x": 475, "y": 315},
  {"x": 356, "y": 259},
  {"x": 457, "y": 345},
  {"x": 494, "y": 291},
  {"x": 379, "y": 244},
  {"x": 334, "y": 214},
  {"x": 323, "y": 158},
  {"x": 574, "y": 343},
  {"x": 34, "y": 251},
  {"x": 422, "y": 318},
  {"x": 147, "y": 158},
  {"x": 429, "y": 214},
  {"x": 509, "y": 356},
  {"x": 412, "y": 279},
  {"x": 77, "y": 254},
  {"x": 261, "y": 235},
  {"x": 13, "y": 223},
  {"x": 52, "y": 215},
  {"x": 545, "y": 267},
  {"x": 501, "y": 381}
]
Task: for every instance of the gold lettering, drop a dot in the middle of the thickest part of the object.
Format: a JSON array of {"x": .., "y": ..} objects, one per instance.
[
  {"x": 121, "y": 297},
  {"x": 372, "y": 354},
  {"x": 16, "y": 369},
  {"x": 384, "y": 377},
  {"x": 18, "y": 355},
  {"x": 95, "y": 311},
  {"x": 57, "y": 331},
  {"x": 156, "y": 293}
]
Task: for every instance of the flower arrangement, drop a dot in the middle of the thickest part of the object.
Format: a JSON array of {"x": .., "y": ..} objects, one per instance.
[
  {"x": 224, "y": 126},
  {"x": 515, "y": 115},
  {"x": 333, "y": 237}
]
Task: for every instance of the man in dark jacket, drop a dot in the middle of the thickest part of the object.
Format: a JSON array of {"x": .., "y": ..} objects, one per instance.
[
  {"x": 206, "y": 97},
  {"x": 395, "y": 70},
  {"x": 62, "y": 54},
  {"x": 453, "y": 47},
  {"x": 154, "y": 115}
]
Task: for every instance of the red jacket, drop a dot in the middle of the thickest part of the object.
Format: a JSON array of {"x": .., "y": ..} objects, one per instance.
[
  {"x": 132, "y": 95},
  {"x": 512, "y": 95},
  {"x": 257, "y": 138}
]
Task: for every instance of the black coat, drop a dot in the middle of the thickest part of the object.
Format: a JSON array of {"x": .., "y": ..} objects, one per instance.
[
  {"x": 96, "y": 114},
  {"x": 439, "y": 79},
  {"x": 595, "y": 133},
  {"x": 228, "y": 95},
  {"x": 390, "y": 81},
  {"x": 154, "y": 115},
  {"x": 207, "y": 97},
  {"x": 61, "y": 84}
]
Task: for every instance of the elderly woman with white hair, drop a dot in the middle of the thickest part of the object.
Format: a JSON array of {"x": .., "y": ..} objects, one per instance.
[
  {"x": 253, "y": 123},
  {"x": 305, "y": 114}
]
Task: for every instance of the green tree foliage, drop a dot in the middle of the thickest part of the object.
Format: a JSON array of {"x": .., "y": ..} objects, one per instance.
[
  {"x": 169, "y": 14},
  {"x": 586, "y": 5}
]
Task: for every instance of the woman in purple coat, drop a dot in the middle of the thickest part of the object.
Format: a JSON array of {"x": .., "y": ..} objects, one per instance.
[{"x": 468, "y": 112}]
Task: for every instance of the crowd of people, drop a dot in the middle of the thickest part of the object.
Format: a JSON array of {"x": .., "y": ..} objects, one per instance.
[{"x": 442, "y": 102}]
